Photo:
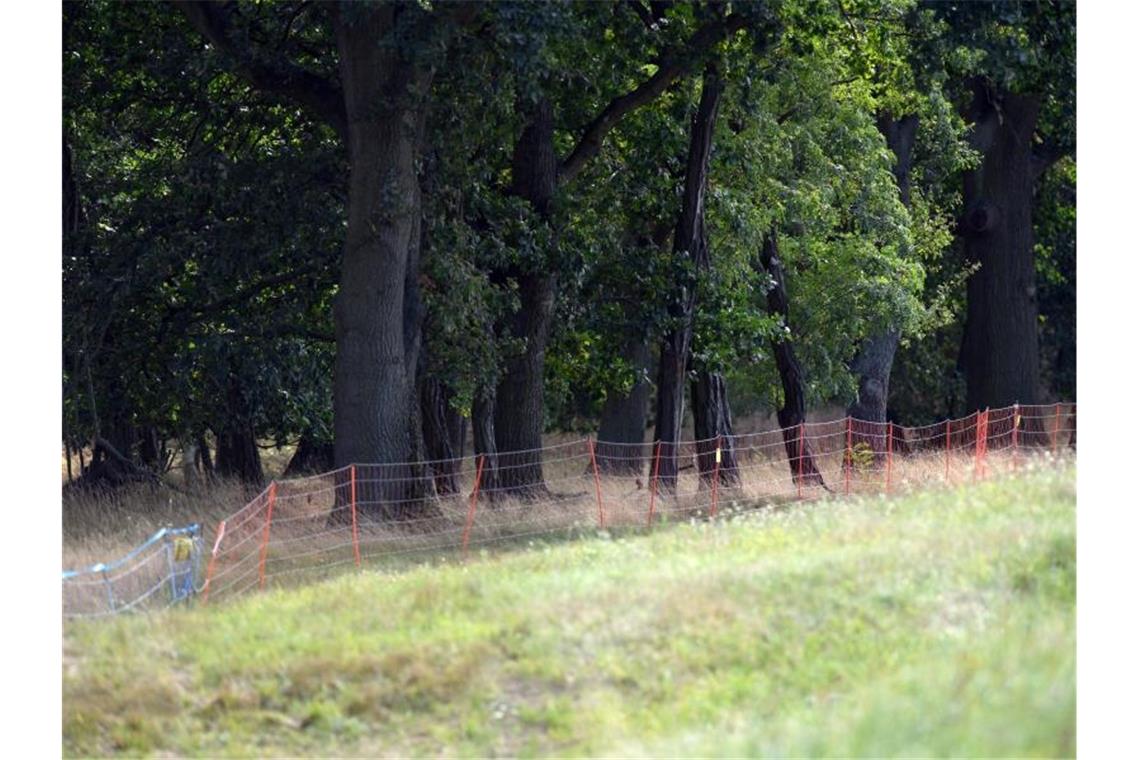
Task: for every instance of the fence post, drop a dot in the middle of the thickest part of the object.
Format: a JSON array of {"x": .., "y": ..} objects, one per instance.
[
  {"x": 890, "y": 451},
  {"x": 1056, "y": 426},
  {"x": 716, "y": 478},
  {"x": 800, "y": 466},
  {"x": 474, "y": 500},
  {"x": 948, "y": 450},
  {"x": 265, "y": 535},
  {"x": 986, "y": 444},
  {"x": 597, "y": 484},
  {"x": 213, "y": 561},
  {"x": 110, "y": 588},
  {"x": 170, "y": 569},
  {"x": 1016, "y": 424},
  {"x": 352, "y": 502},
  {"x": 980, "y": 442},
  {"x": 847, "y": 461},
  {"x": 653, "y": 483}
]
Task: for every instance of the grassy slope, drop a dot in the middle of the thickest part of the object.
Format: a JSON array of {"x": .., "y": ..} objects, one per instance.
[{"x": 942, "y": 623}]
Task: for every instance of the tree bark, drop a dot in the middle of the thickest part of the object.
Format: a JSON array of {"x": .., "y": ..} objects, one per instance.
[
  {"x": 712, "y": 425},
  {"x": 238, "y": 455},
  {"x": 690, "y": 249},
  {"x": 621, "y": 446},
  {"x": 483, "y": 437},
  {"x": 312, "y": 456},
  {"x": 519, "y": 404},
  {"x": 791, "y": 415},
  {"x": 1000, "y": 349},
  {"x": 204, "y": 458},
  {"x": 876, "y": 356},
  {"x": 376, "y": 312},
  {"x": 438, "y": 424}
]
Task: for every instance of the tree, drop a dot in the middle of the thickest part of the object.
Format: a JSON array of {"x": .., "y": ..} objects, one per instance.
[
  {"x": 690, "y": 250},
  {"x": 792, "y": 413},
  {"x": 1018, "y": 95},
  {"x": 386, "y": 56},
  {"x": 194, "y": 286},
  {"x": 536, "y": 175}
]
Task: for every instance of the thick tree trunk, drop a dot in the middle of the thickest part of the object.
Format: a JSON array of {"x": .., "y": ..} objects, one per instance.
[
  {"x": 621, "y": 434},
  {"x": 483, "y": 438},
  {"x": 1000, "y": 350},
  {"x": 791, "y": 415},
  {"x": 438, "y": 423},
  {"x": 519, "y": 401},
  {"x": 877, "y": 354},
  {"x": 377, "y": 312},
  {"x": 238, "y": 455},
  {"x": 712, "y": 425},
  {"x": 873, "y": 365},
  {"x": 689, "y": 245}
]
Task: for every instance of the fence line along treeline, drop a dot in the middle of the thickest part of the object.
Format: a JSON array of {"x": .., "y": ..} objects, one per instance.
[{"x": 390, "y": 515}]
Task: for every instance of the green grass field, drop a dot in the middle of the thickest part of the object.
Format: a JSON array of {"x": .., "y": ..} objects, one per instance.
[{"x": 941, "y": 623}]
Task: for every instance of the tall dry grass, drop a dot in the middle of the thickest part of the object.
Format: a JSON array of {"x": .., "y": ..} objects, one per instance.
[{"x": 101, "y": 526}]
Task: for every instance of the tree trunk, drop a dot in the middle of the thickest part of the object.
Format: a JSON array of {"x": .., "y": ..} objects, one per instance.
[
  {"x": 483, "y": 436},
  {"x": 873, "y": 364},
  {"x": 621, "y": 446},
  {"x": 877, "y": 354},
  {"x": 238, "y": 455},
  {"x": 519, "y": 403},
  {"x": 689, "y": 246},
  {"x": 1000, "y": 349},
  {"x": 312, "y": 456},
  {"x": 377, "y": 312},
  {"x": 712, "y": 425},
  {"x": 204, "y": 460},
  {"x": 438, "y": 416},
  {"x": 791, "y": 415}
]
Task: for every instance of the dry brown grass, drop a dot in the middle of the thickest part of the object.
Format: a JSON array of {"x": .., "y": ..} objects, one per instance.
[{"x": 99, "y": 527}]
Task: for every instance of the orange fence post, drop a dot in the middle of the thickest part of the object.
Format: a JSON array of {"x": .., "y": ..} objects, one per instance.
[
  {"x": 716, "y": 478},
  {"x": 847, "y": 461},
  {"x": 597, "y": 484},
  {"x": 213, "y": 561},
  {"x": 653, "y": 483},
  {"x": 1056, "y": 426},
  {"x": 947, "y": 450},
  {"x": 474, "y": 499},
  {"x": 800, "y": 466},
  {"x": 265, "y": 535},
  {"x": 355, "y": 534},
  {"x": 890, "y": 452}
]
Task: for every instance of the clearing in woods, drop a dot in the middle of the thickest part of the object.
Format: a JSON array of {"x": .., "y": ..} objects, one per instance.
[{"x": 942, "y": 622}]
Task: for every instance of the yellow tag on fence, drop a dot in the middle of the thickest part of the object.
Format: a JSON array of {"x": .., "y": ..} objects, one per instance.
[
  {"x": 718, "y": 454},
  {"x": 183, "y": 548}
]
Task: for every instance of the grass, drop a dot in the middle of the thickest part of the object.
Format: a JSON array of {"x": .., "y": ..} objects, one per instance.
[{"x": 937, "y": 623}]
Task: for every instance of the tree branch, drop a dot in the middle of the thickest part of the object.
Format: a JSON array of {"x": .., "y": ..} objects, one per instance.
[
  {"x": 671, "y": 66},
  {"x": 274, "y": 75}
]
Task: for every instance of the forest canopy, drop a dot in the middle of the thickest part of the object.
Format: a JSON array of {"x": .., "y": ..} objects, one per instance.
[{"x": 375, "y": 231}]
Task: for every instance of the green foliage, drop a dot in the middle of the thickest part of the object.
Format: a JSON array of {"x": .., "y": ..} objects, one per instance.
[
  {"x": 208, "y": 246},
  {"x": 200, "y": 280}
]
